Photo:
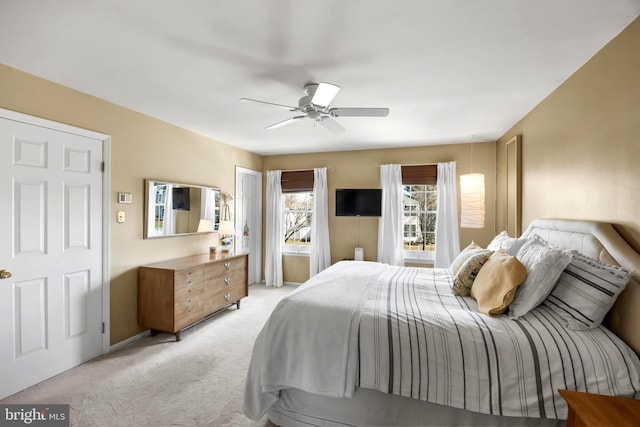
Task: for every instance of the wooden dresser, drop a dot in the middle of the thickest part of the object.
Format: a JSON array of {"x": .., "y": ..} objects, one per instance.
[
  {"x": 594, "y": 410},
  {"x": 176, "y": 294}
]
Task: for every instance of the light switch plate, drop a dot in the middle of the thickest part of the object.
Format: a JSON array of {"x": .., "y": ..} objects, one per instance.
[{"x": 124, "y": 197}]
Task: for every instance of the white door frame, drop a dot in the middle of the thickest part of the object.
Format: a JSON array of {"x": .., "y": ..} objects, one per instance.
[
  {"x": 106, "y": 205},
  {"x": 257, "y": 257}
]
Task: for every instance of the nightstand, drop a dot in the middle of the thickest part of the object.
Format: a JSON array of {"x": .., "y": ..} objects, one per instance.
[{"x": 595, "y": 410}]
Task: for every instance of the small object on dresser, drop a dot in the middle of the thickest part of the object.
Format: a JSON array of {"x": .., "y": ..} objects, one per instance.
[{"x": 213, "y": 250}]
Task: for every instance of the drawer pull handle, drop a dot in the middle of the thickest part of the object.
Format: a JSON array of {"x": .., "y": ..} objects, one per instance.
[
  {"x": 227, "y": 296},
  {"x": 227, "y": 280},
  {"x": 227, "y": 265}
]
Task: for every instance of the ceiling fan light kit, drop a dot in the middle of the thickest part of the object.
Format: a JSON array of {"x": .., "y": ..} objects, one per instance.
[{"x": 315, "y": 106}]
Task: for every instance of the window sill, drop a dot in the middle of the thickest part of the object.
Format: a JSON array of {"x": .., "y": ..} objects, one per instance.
[
  {"x": 416, "y": 257},
  {"x": 295, "y": 253},
  {"x": 425, "y": 262}
]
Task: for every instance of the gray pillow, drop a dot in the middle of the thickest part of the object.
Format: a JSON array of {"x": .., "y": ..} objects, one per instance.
[{"x": 586, "y": 291}]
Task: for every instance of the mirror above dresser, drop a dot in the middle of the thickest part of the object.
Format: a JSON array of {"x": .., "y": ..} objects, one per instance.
[{"x": 176, "y": 209}]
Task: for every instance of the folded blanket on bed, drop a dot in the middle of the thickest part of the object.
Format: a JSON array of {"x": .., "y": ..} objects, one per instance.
[{"x": 310, "y": 341}]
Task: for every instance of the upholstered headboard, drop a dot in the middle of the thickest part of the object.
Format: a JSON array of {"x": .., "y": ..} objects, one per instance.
[{"x": 601, "y": 241}]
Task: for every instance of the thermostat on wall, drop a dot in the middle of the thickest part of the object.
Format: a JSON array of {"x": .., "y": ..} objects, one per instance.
[{"x": 124, "y": 197}]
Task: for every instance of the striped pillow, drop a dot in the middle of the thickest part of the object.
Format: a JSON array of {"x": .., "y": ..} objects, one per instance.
[{"x": 586, "y": 291}]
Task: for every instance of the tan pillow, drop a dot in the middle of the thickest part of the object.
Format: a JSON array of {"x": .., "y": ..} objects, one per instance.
[
  {"x": 496, "y": 283},
  {"x": 464, "y": 255}
]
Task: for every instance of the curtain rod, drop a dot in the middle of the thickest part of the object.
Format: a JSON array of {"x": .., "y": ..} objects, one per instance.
[
  {"x": 419, "y": 164},
  {"x": 329, "y": 168}
]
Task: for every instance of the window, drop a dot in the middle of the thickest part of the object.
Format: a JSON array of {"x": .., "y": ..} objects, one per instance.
[
  {"x": 159, "y": 202},
  {"x": 420, "y": 195},
  {"x": 297, "y": 210}
]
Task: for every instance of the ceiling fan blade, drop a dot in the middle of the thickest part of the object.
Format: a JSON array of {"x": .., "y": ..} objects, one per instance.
[
  {"x": 359, "y": 112},
  {"x": 285, "y": 122},
  {"x": 325, "y": 92},
  {"x": 288, "y": 107},
  {"x": 331, "y": 125}
]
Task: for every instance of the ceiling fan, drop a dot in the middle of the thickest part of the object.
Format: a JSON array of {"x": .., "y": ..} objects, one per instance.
[{"x": 314, "y": 105}]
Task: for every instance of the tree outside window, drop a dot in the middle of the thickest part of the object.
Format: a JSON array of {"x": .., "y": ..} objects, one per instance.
[{"x": 297, "y": 213}]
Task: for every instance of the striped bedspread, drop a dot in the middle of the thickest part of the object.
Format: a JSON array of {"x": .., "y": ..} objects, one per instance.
[{"x": 417, "y": 339}]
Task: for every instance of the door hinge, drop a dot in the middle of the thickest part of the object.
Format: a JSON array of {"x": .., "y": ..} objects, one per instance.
[
  {"x": 103, "y": 327},
  {"x": 101, "y": 166}
]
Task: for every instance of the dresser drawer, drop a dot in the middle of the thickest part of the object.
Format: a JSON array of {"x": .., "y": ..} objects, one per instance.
[
  {"x": 187, "y": 312},
  {"x": 229, "y": 295},
  {"x": 225, "y": 267},
  {"x": 186, "y": 277},
  {"x": 188, "y": 291}
]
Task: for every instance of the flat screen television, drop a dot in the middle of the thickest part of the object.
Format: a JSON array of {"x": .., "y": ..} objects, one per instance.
[
  {"x": 181, "y": 200},
  {"x": 358, "y": 202}
]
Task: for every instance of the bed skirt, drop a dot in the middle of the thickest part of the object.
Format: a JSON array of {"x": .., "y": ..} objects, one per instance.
[{"x": 297, "y": 408}]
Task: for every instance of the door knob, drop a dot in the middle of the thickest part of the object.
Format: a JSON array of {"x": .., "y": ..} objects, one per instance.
[{"x": 5, "y": 274}]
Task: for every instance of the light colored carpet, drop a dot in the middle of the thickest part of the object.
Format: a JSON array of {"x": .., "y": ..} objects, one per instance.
[{"x": 156, "y": 381}]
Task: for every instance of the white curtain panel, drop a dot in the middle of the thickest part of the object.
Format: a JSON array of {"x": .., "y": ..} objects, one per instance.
[
  {"x": 320, "y": 256},
  {"x": 390, "y": 250},
  {"x": 273, "y": 253},
  {"x": 447, "y": 236},
  {"x": 206, "y": 204}
]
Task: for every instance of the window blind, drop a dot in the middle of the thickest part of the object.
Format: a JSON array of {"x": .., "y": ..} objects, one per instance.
[
  {"x": 297, "y": 181},
  {"x": 420, "y": 175}
]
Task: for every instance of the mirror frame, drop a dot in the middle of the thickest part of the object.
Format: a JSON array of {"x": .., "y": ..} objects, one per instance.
[
  {"x": 149, "y": 182},
  {"x": 514, "y": 186}
]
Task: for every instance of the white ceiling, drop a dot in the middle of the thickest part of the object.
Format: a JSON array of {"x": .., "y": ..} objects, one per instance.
[{"x": 449, "y": 70}]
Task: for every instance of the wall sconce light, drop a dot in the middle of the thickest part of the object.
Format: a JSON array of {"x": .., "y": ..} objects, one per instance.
[
  {"x": 227, "y": 229},
  {"x": 472, "y": 200}
]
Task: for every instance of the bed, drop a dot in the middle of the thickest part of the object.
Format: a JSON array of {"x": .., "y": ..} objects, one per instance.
[{"x": 364, "y": 343}]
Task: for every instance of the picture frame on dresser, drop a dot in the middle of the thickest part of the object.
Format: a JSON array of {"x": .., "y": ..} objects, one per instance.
[{"x": 176, "y": 294}]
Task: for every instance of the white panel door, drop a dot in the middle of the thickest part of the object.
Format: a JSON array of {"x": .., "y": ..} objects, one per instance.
[
  {"x": 50, "y": 251},
  {"x": 248, "y": 219}
]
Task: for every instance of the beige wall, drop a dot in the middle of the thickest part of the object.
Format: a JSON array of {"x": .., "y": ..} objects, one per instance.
[
  {"x": 581, "y": 145},
  {"x": 141, "y": 147},
  {"x": 360, "y": 169}
]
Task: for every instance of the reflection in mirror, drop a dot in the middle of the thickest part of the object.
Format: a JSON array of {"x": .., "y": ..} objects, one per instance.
[{"x": 174, "y": 209}]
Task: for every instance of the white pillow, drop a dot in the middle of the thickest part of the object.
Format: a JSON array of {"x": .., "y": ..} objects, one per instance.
[
  {"x": 544, "y": 265},
  {"x": 509, "y": 244}
]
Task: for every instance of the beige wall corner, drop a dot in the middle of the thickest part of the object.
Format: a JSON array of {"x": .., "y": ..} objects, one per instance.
[{"x": 581, "y": 145}]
